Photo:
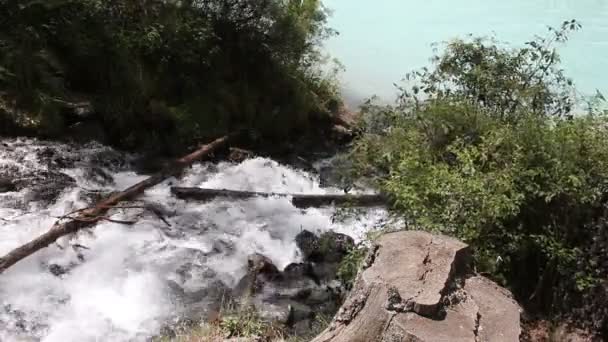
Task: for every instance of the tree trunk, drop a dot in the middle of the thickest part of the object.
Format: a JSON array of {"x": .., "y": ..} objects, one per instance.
[
  {"x": 298, "y": 200},
  {"x": 89, "y": 217}
]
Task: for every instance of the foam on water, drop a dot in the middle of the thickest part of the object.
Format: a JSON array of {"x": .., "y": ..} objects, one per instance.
[{"x": 118, "y": 288}]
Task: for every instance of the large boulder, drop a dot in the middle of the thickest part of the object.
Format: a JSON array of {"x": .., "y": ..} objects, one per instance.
[{"x": 415, "y": 286}]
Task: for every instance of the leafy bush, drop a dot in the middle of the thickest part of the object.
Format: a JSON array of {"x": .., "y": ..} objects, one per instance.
[
  {"x": 350, "y": 264},
  {"x": 499, "y": 162}
]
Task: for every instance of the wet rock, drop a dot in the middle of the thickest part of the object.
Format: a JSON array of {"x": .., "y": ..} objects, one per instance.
[
  {"x": 63, "y": 162},
  {"x": 7, "y": 185},
  {"x": 107, "y": 158},
  {"x": 57, "y": 270},
  {"x": 407, "y": 292},
  {"x": 148, "y": 164},
  {"x": 190, "y": 270},
  {"x": 222, "y": 246},
  {"x": 325, "y": 271},
  {"x": 54, "y": 157},
  {"x": 308, "y": 243},
  {"x": 46, "y": 154},
  {"x": 215, "y": 292},
  {"x": 260, "y": 264},
  {"x": 238, "y": 155},
  {"x": 296, "y": 271},
  {"x": 260, "y": 272},
  {"x": 302, "y": 290},
  {"x": 27, "y": 325},
  {"x": 98, "y": 175},
  {"x": 46, "y": 186},
  {"x": 329, "y": 247},
  {"x": 289, "y": 297},
  {"x": 86, "y": 131},
  {"x": 205, "y": 302}
]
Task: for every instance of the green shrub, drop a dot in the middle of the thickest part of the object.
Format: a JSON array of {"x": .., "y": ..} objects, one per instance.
[
  {"x": 350, "y": 264},
  {"x": 519, "y": 178},
  {"x": 167, "y": 72}
]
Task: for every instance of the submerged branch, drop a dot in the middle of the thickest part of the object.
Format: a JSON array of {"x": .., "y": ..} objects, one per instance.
[{"x": 89, "y": 216}]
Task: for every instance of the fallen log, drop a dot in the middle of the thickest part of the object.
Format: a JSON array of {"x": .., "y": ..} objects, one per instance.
[
  {"x": 298, "y": 200},
  {"x": 90, "y": 216}
]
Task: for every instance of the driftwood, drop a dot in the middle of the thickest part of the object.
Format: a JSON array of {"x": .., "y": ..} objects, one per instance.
[
  {"x": 90, "y": 216},
  {"x": 298, "y": 200}
]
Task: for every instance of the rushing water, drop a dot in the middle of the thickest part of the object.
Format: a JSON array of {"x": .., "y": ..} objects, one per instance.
[
  {"x": 119, "y": 287},
  {"x": 381, "y": 41}
]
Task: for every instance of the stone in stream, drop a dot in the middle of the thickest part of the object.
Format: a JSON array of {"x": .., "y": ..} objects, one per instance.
[
  {"x": 98, "y": 175},
  {"x": 295, "y": 296},
  {"x": 419, "y": 287},
  {"x": 46, "y": 186},
  {"x": 196, "y": 305},
  {"x": 7, "y": 185},
  {"x": 239, "y": 155},
  {"x": 57, "y": 270},
  {"x": 328, "y": 247},
  {"x": 260, "y": 265}
]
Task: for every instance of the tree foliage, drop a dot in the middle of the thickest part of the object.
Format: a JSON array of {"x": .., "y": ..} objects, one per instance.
[
  {"x": 169, "y": 70},
  {"x": 485, "y": 147}
]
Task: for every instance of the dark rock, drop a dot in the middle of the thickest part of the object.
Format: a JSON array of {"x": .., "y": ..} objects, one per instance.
[
  {"x": 260, "y": 264},
  {"x": 308, "y": 243},
  {"x": 329, "y": 247},
  {"x": 238, "y": 155},
  {"x": 296, "y": 271},
  {"x": 214, "y": 293},
  {"x": 320, "y": 295},
  {"x": 325, "y": 271},
  {"x": 98, "y": 175},
  {"x": 57, "y": 270},
  {"x": 45, "y": 187},
  {"x": 63, "y": 162},
  {"x": 295, "y": 296},
  {"x": 149, "y": 164},
  {"x": 190, "y": 270},
  {"x": 260, "y": 271},
  {"x": 108, "y": 158},
  {"x": 223, "y": 246},
  {"x": 7, "y": 185},
  {"x": 86, "y": 131},
  {"x": 202, "y": 303}
]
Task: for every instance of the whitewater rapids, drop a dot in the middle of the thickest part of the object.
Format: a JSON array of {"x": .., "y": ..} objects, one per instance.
[{"x": 113, "y": 282}]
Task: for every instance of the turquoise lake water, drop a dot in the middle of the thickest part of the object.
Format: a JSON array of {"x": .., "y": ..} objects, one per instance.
[{"x": 380, "y": 41}]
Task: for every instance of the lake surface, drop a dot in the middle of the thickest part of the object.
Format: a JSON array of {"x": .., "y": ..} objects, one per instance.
[{"x": 380, "y": 41}]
